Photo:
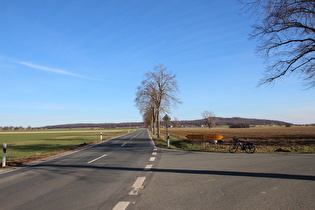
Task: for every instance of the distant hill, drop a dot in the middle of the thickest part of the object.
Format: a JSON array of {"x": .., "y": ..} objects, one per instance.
[
  {"x": 187, "y": 123},
  {"x": 221, "y": 121}
]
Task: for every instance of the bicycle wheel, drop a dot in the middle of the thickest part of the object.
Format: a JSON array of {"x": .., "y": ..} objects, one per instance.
[
  {"x": 233, "y": 148},
  {"x": 250, "y": 148}
]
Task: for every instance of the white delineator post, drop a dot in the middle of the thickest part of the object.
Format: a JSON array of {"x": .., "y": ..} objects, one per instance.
[
  {"x": 166, "y": 119},
  {"x": 4, "y": 154},
  {"x": 101, "y": 136}
]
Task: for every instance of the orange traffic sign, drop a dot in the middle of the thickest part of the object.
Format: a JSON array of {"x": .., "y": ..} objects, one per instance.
[
  {"x": 194, "y": 136},
  {"x": 216, "y": 137},
  {"x": 204, "y": 136}
]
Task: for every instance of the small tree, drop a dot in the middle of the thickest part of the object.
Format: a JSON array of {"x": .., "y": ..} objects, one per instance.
[{"x": 209, "y": 118}]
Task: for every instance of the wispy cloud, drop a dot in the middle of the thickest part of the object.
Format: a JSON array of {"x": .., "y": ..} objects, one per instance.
[
  {"x": 32, "y": 106},
  {"x": 49, "y": 69}
]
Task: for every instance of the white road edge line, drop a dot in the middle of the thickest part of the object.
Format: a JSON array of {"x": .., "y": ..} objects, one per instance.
[
  {"x": 96, "y": 159},
  {"x": 121, "y": 205},
  {"x": 154, "y": 153},
  {"x": 152, "y": 142},
  {"x": 152, "y": 158}
]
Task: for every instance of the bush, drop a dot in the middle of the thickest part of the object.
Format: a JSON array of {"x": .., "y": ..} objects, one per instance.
[{"x": 239, "y": 125}]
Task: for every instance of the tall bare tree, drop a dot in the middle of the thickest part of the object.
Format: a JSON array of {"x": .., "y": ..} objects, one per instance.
[
  {"x": 209, "y": 118},
  {"x": 158, "y": 92},
  {"x": 286, "y": 33}
]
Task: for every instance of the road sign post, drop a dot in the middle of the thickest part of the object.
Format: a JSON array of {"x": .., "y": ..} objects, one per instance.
[
  {"x": 4, "y": 154},
  {"x": 166, "y": 119}
]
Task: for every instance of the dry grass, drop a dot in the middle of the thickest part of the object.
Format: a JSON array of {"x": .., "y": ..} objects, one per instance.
[{"x": 267, "y": 139}]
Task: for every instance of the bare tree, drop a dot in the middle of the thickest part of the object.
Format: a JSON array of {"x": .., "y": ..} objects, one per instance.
[
  {"x": 148, "y": 118},
  {"x": 158, "y": 92},
  {"x": 176, "y": 122},
  {"x": 209, "y": 118},
  {"x": 146, "y": 106},
  {"x": 286, "y": 33}
]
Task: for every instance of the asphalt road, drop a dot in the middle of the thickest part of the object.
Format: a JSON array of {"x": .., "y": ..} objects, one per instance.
[
  {"x": 128, "y": 172},
  {"x": 98, "y": 177},
  {"x": 197, "y": 180}
]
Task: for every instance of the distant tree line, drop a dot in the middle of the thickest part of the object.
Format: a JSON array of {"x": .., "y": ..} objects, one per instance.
[
  {"x": 239, "y": 125},
  {"x": 11, "y": 128},
  {"x": 97, "y": 125}
]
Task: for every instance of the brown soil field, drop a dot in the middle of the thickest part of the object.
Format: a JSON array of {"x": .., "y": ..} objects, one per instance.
[{"x": 266, "y": 139}]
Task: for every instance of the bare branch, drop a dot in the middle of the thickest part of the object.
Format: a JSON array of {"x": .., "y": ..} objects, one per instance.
[{"x": 286, "y": 32}]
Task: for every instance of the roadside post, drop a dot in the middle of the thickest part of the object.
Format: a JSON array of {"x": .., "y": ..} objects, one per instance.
[
  {"x": 101, "y": 136},
  {"x": 4, "y": 154},
  {"x": 166, "y": 119},
  {"x": 215, "y": 144}
]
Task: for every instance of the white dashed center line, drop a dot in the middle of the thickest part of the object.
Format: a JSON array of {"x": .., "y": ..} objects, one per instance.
[
  {"x": 148, "y": 167},
  {"x": 96, "y": 159},
  {"x": 137, "y": 186},
  {"x": 139, "y": 183},
  {"x": 121, "y": 205}
]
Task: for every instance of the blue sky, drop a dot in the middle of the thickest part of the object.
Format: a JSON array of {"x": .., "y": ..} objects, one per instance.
[{"x": 80, "y": 61}]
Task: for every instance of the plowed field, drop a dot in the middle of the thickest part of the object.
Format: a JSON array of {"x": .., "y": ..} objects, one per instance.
[{"x": 267, "y": 139}]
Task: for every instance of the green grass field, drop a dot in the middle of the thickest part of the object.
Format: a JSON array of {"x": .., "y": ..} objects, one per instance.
[{"x": 24, "y": 146}]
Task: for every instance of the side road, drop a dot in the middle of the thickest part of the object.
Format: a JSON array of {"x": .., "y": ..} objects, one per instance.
[{"x": 197, "y": 180}]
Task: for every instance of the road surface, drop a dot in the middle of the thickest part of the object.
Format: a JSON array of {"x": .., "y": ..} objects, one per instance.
[
  {"x": 97, "y": 177},
  {"x": 198, "y": 180},
  {"x": 128, "y": 172}
]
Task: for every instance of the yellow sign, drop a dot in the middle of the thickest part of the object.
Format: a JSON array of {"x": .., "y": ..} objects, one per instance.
[
  {"x": 194, "y": 136},
  {"x": 204, "y": 136},
  {"x": 166, "y": 118},
  {"x": 216, "y": 137}
]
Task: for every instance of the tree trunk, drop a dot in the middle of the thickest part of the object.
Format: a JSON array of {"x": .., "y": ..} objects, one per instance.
[
  {"x": 158, "y": 123},
  {"x": 152, "y": 124}
]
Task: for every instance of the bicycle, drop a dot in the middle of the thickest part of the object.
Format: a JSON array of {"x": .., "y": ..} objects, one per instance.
[{"x": 247, "y": 146}]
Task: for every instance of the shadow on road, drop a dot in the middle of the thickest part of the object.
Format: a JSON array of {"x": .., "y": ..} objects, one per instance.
[{"x": 187, "y": 171}]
